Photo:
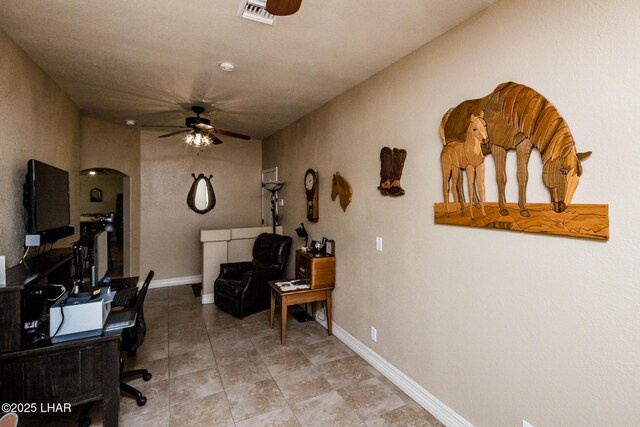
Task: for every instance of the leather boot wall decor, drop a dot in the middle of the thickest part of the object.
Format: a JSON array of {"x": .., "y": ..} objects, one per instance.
[
  {"x": 391, "y": 165},
  {"x": 385, "y": 170}
]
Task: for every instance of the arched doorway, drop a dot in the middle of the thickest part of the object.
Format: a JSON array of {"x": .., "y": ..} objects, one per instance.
[{"x": 106, "y": 192}]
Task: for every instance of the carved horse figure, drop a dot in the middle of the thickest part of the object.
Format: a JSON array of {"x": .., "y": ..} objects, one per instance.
[
  {"x": 468, "y": 155},
  {"x": 519, "y": 118},
  {"x": 340, "y": 187}
]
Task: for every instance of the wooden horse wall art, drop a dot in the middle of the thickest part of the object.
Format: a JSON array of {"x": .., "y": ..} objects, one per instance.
[
  {"x": 341, "y": 187},
  {"x": 517, "y": 118}
]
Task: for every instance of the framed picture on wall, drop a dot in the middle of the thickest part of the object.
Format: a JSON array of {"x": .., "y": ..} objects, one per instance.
[
  {"x": 330, "y": 247},
  {"x": 95, "y": 195}
]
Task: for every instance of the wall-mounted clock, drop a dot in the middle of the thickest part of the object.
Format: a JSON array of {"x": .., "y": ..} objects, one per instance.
[{"x": 311, "y": 187}]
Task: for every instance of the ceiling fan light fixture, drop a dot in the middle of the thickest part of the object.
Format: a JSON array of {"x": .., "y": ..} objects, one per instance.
[
  {"x": 198, "y": 140},
  {"x": 227, "y": 66}
]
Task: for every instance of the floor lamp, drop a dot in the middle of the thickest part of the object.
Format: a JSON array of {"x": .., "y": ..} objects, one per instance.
[{"x": 273, "y": 187}]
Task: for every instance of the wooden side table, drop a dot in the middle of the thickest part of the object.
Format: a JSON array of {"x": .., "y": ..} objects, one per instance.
[{"x": 300, "y": 296}]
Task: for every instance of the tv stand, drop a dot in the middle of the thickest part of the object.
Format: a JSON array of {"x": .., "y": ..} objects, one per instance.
[{"x": 55, "y": 234}]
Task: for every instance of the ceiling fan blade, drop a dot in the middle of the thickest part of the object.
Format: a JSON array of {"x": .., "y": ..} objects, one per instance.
[
  {"x": 204, "y": 126},
  {"x": 175, "y": 133},
  {"x": 283, "y": 7},
  {"x": 161, "y": 126},
  {"x": 229, "y": 133},
  {"x": 214, "y": 139}
]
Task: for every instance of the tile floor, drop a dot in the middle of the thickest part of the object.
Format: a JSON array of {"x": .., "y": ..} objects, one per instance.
[{"x": 211, "y": 369}]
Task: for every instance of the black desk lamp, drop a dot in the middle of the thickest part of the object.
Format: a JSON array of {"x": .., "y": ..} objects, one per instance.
[
  {"x": 272, "y": 187},
  {"x": 302, "y": 232}
]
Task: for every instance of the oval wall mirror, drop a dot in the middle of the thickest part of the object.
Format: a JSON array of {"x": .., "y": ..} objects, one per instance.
[{"x": 201, "y": 197}]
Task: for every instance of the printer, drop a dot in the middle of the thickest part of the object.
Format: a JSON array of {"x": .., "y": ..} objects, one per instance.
[{"x": 73, "y": 317}]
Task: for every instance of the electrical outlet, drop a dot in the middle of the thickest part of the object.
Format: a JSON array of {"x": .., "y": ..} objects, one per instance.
[
  {"x": 526, "y": 424},
  {"x": 379, "y": 244},
  {"x": 32, "y": 240},
  {"x": 374, "y": 334}
]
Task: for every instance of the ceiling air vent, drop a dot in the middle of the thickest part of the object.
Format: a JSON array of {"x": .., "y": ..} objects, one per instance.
[{"x": 255, "y": 10}]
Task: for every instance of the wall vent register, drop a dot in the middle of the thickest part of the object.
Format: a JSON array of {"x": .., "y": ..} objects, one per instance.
[{"x": 255, "y": 10}]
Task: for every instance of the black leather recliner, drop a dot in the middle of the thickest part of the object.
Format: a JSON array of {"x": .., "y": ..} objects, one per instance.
[{"x": 241, "y": 288}]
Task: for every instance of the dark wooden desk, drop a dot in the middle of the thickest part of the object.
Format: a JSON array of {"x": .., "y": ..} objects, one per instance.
[
  {"x": 302, "y": 296},
  {"x": 74, "y": 372}
]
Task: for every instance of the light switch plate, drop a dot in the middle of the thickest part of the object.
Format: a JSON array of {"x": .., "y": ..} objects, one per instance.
[
  {"x": 379, "y": 244},
  {"x": 3, "y": 272}
]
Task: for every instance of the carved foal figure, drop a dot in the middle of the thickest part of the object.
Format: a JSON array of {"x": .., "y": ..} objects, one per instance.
[{"x": 468, "y": 155}]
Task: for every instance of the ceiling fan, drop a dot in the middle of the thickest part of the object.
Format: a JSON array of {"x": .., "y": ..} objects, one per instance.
[
  {"x": 283, "y": 7},
  {"x": 199, "y": 131}
]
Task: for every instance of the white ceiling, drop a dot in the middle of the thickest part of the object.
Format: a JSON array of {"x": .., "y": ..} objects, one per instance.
[{"x": 150, "y": 59}]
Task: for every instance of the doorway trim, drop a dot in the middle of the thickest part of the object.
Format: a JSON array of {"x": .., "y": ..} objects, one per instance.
[{"x": 127, "y": 237}]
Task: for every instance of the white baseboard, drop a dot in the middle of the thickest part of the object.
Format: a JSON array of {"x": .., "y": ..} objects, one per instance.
[
  {"x": 174, "y": 281},
  {"x": 207, "y": 299},
  {"x": 425, "y": 399}
]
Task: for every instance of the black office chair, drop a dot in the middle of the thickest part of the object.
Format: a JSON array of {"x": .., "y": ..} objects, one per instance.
[
  {"x": 242, "y": 288},
  {"x": 132, "y": 339}
]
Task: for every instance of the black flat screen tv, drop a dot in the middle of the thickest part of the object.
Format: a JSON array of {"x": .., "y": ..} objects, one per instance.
[{"x": 47, "y": 201}]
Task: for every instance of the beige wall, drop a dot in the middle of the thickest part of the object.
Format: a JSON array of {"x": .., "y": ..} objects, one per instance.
[
  {"x": 117, "y": 146},
  {"x": 499, "y": 326},
  {"x": 170, "y": 231},
  {"x": 37, "y": 120}
]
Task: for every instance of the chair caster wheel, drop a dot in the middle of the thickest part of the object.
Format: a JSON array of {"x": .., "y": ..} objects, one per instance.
[
  {"x": 141, "y": 401},
  {"x": 146, "y": 376}
]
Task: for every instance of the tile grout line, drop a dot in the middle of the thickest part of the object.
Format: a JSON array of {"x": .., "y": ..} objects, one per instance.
[{"x": 249, "y": 331}]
